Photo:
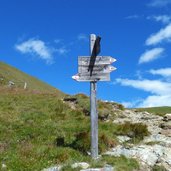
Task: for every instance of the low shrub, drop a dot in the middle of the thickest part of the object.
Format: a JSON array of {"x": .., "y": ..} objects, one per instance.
[{"x": 136, "y": 131}]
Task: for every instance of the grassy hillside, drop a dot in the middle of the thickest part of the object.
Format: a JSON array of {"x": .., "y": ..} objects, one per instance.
[
  {"x": 9, "y": 73},
  {"x": 40, "y": 130},
  {"x": 156, "y": 110}
]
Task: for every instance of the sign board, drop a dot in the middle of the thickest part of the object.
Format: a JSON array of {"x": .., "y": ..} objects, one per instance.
[
  {"x": 100, "y": 60},
  {"x": 94, "y": 77},
  {"x": 96, "y": 69}
]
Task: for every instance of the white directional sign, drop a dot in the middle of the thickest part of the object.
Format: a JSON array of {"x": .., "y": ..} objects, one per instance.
[
  {"x": 94, "y": 77},
  {"x": 99, "y": 60},
  {"x": 96, "y": 69}
]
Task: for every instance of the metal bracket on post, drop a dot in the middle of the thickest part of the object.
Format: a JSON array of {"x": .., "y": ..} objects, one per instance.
[{"x": 93, "y": 111}]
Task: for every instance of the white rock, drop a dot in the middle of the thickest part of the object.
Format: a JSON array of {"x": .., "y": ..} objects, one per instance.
[
  {"x": 4, "y": 166},
  {"x": 92, "y": 169},
  {"x": 83, "y": 165},
  {"x": 55, "y": 168},
  {"x": 167, "y": 116},
  {"x": 123, "y": 138}
]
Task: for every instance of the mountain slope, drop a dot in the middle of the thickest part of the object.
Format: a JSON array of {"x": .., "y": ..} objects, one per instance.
[{"x": 19, "y": 78}]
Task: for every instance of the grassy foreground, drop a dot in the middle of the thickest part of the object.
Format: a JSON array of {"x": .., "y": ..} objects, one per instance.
[{"x": 40, "y": 130}]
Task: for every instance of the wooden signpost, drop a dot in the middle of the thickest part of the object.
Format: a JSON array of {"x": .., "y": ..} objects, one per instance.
[{"x": 94, "y": 68}]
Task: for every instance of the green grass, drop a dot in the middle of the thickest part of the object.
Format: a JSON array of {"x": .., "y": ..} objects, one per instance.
[
  {"x": 105, "y": 110},
  {"x": 40, "y": 130},
  {"x": 158, "y": 168},
  {"x": 156, "y": 110}
]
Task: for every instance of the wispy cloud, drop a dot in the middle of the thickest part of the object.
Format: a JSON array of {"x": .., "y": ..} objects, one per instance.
[
  {"x": 152, "y": 101},
  {"x": 82, "y": 37},
  {"x": 160, "y": 92},
  {"x": 165, "y": 72},
  {"x": 36, "y": 47},
  {"x": 163, "y": 35},
  {"x": 62, "y": 50},
  {"x": 151, "y": 55},
  {"x": 132, "y": 104},
  {"x": 153, "y": 86},
  {"x": 159, "y": 3},
  {"x": 165, "y": 19}
]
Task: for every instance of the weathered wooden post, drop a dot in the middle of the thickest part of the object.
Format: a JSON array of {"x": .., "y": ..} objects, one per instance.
[
  {"x": 94, "y": 68},
  {"x": 93, "y": 107}
]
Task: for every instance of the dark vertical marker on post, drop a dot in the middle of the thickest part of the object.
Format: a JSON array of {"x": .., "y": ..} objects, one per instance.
[
  {"x": 93, "y": 105},
  {"x": 94, "y": 51}
]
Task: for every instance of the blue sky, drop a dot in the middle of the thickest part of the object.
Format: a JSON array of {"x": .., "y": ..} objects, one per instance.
[{"x": 45, "y": 37}]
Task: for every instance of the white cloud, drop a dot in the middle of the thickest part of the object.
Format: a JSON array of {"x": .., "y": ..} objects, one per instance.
[
  {"x": 163, "y": 35},
  {"x": 165, "y": 72},
  {"x": 153, "y": 101},
  {"x": 61, "y": 50},
  {"x": 165, "y": 19},
  {"x": 159, "y": 3},
  {"x": 132, "y": 104},
  {"x": 82, "y": 37},
  {"x": 160, "y": 91},
  {"x": 151, "y": 55},
  {"x": 38, "y": 47},
  {"x": 153, "y": 86}
]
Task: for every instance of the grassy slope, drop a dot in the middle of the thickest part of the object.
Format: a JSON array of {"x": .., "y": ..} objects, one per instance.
[
  {"x": 9, "y": 73},
  {"x": 157, "y": 110},
  {"x": 32, "y": 124}
]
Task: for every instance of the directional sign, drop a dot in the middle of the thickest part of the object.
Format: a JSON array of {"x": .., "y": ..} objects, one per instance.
[
  {"x": 100, "y": 60},
  {"x": 96, "y": 69},
  {"x": 94, "y": 77}
]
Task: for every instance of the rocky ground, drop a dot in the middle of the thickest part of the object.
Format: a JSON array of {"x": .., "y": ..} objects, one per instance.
[{"x": 154, "y": 150}]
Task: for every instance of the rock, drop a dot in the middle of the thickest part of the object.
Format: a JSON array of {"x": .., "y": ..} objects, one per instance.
[
  {"x": 92, "y": 169},
  {"x": 4, "y": 166},
  {"x": 166, "y": 125},
  {"x": 167, "y": 117},
  {"x": 55, "y": 168},
  {"x": 105, "y": 168},
  {"x": 83, "y": 165},
  {"x": 123, "y": 138},
  {"x": 144, "y": 153},
  {"x": 166, "y": 132}
]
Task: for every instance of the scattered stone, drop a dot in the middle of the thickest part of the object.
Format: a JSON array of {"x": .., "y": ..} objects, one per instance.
[
  {"x": 4, "y": 166},
  {"x": 167, "y": 117},
  {"x": 55, "y": 168},
  {"x": 123, "y": 138},
  {"x": 166, "y": 132},
  {"x": 83, "y": 165},
  {"x": 166, "y": 125},
  {"x": 92, "y": 169},
  {"x": 70, "y": 99},
  {"x": 105, "y": 168}
]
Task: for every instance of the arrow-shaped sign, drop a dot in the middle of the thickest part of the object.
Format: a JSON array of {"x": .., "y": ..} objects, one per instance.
[
  {"x": 100, "y": 60},
  {"x": 96, "y": 69},
  {"x": 94, "y": 77}
]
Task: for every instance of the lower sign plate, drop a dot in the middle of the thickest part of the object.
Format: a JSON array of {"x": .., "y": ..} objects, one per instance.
[{"x": 97, "y": 77}]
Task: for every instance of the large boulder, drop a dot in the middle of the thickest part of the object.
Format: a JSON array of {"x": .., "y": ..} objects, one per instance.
[
  {"x": 166, "y": 125},
  {"x": 83, "y": 165},
  {"x": 167, "y": 117}
]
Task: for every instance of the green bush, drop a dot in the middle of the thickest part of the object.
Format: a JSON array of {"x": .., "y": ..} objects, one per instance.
[
  {"x": 158, "y": 168},
  {"x": 136, "y": 131}
]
